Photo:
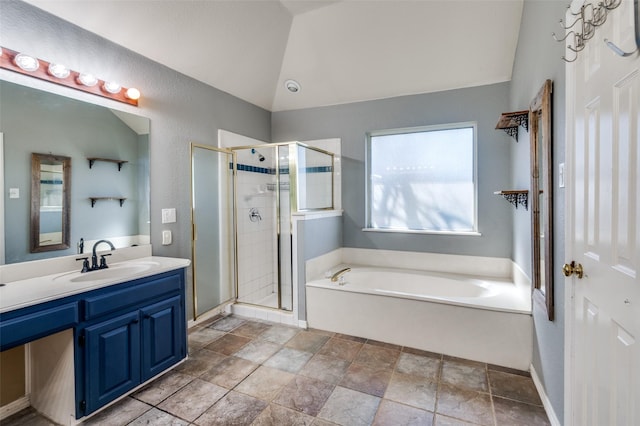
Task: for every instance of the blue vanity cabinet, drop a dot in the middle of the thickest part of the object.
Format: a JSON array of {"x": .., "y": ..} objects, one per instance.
[
  {"x": 131, "y": 333},
  {"x": 112, "y": 359},
  {"x": 163, "y": 331}
]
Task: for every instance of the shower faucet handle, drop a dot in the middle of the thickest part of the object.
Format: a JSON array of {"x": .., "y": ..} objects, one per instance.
[{"x": 254, "y": 215}]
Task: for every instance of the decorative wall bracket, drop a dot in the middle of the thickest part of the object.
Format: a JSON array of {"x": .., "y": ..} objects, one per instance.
[
  {"x": 516, "y": 197},
  {"x": 510, "y": 121},
  {"x": 94, "y": 199}
]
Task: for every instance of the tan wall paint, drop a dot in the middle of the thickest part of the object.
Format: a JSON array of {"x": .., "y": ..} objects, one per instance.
[{"x": 12, "y": 368}]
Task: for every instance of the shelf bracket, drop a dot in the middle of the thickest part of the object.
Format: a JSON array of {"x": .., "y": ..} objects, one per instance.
[
  {"x": 516, "y": 198},
  {"x": 511, "y": 121}
]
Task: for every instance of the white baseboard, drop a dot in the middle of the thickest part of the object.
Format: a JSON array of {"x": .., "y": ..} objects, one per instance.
[
  {"x": 303, "y": 324},
  {"x": 13, "y": 407},
  {"x": 553, "y": 419}
]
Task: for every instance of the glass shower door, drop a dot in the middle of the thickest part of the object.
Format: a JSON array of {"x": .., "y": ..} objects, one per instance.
[{"x": 213, "y": 236}]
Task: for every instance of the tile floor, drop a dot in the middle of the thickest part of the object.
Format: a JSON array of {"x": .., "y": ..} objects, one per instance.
[{"x": 244, "y": 372}]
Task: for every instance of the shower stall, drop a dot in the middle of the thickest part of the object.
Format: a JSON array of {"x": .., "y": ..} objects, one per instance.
[{"x": 245, "y": 198}]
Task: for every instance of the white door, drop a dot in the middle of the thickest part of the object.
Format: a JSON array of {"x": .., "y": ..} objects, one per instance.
[{"x": 603, "y": 228}]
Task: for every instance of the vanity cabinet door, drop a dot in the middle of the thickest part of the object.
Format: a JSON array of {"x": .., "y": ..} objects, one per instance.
[
  {"x": 163, "y": 336},
  {"x": 113, "y": 359}
]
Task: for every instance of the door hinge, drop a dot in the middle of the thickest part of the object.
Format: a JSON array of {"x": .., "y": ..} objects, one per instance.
[{"x": 81, "y": 343}]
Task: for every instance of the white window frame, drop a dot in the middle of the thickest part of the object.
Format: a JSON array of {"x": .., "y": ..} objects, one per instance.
[{"x": 420, "y": 129}]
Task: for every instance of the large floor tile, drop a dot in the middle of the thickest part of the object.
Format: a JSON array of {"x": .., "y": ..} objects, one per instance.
[
  {"x": 467, "y": 375},
  {"x": 227, "y": 323},
  {"x": 340, "y": 348},
  {"x": 275, "y": 415},
  {"x": 155, "y": 417},
  {"x": 264, "y": 383},
  {"x": 416, "y": 391},
  {"x": 251, "y": 329},
  {"x": 367, "y": 380},
  {"x": 229, "y": 372},
  {"x": 228, "y": 344},
  {"x": 393, "y": 414},
  {"x": 202, "y": 336},
  {"x": 288, "y": 359},
  {"x": 308, "y": 341},
  {"x": 514, "y": 413},
  {"x": 199, "y": 362},
  {"x": 27, "y": 417},
  {"x": 350, "y": 408},
  {"x": 377, "y": 357},
  {"x": 305, "y": 395},
  {"x": 465, "y": 405},
  {"x": 160, "y": 389},
  {"x": 326, "y": 368},
  {"x": 233, "y": 409},
  {"x": 192, "y": 400},
  {"x": 514, "y": 387},
  {"x": 279, "y": 334},
  {"x": 450, "y": 421},
  {"x": 258, "y": 351},
  {"x": 419, "y": 365},
  {"x": 121, "y": 413}
]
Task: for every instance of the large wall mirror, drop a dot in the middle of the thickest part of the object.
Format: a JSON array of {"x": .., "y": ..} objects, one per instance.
[
  {"x": 50, "y": 202},
  {"x": 57, "y": 127},
  {"x": 542, "y": 198}
]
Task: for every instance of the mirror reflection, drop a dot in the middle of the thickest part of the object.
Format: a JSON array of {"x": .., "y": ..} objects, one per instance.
[
  {"x": 50, "y": 181},
  {"x": 34, "y": 121}
]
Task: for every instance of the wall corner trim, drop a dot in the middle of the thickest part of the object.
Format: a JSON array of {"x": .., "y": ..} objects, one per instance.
[{"x": 548, "y": 408}]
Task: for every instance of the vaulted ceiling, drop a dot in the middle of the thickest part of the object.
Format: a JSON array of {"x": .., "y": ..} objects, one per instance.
[{"x": 339, "y": 51}]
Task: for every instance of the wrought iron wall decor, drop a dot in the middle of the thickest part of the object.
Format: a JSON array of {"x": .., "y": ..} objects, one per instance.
[
  {"x": 516, "y": 197},
  {"x": 586, "y": 20},
  {"x": 509, "y": 122}
]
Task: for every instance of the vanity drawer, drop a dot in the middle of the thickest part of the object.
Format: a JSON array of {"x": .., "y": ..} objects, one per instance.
[
  {"x": 34, "y": 325},
  {"x": 131, "y": 296}
]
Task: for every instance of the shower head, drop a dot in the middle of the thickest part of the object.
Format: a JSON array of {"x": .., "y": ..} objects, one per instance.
[{"x": 260, "y": 156}]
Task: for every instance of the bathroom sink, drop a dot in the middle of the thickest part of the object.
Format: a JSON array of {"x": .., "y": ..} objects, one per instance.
[{"x": 112, "y": 272}]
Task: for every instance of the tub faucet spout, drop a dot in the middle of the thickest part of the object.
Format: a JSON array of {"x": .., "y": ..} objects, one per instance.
[{"x": 338, "y": 274}]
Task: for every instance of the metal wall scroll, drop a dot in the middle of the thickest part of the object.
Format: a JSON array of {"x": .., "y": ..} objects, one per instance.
[
  {"x": 586, "y": 20},
  {"x": 516, "y": 197},
  {"x": 509, "y": 122}
]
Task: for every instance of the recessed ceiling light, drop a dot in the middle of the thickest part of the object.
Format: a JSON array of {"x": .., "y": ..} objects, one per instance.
[
  {"x": 292, "y": 86},
  {"x": 59, "y": 71},
  {"x": 26, "y": 62}
]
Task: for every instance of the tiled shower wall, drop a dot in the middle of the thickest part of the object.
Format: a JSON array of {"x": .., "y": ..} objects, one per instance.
[{"x": 257, "y": 272}]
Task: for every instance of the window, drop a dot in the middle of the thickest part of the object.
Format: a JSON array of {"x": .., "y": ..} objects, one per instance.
[{"x": 423, "y": 179}]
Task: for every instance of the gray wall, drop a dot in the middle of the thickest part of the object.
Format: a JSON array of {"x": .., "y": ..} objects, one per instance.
[
  {"x": 39, "y": 122},
  {"x": 181, "y": 109},
  {"x": 538, "y": 57},
  {"x": 351, "y": 122},
  {"x": 315, "y": 238}
]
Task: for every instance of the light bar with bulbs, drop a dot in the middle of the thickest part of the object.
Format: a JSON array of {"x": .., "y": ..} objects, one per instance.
[{"x": 59, "y": 74}]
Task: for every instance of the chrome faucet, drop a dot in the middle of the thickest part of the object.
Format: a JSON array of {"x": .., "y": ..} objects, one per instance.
[
  {"x": 94, "y": 256},
  {"x": 338, "y": 274}
]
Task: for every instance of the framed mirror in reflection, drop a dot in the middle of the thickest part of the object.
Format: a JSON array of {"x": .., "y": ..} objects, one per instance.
[
  {"x": 50, "y": 202},
  {"x": 35, "y": 121},
  {"x": 542, "y": 198}
]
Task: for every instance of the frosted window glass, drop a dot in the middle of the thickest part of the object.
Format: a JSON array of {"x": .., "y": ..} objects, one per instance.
[{"x": 423, "y": 180}]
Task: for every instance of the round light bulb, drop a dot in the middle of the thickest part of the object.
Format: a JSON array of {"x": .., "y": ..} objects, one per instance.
[
  {"x": 26, "y": 62},
  {"x": 88, "y": 80},
  {"x": 132, "y": 93},
  {"x": 111, "y": 87},
  {"x": 59, "y": 70}
]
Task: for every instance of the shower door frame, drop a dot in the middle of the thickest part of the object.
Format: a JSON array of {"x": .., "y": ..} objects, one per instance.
[
  {"x": 194, "y": 235},
  {"x": 293, "y": 206}
]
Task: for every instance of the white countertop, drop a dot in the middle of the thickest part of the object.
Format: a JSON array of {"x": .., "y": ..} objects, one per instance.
[{"x": 31, "y": 291}]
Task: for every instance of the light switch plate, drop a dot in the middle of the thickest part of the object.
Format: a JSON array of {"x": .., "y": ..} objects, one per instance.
[
  {"x": 561, "y": 175},
  {"x": 14, "y": 192},
  {"x": 168, "y": 215},
  {"x": 166, "y": 237}
]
